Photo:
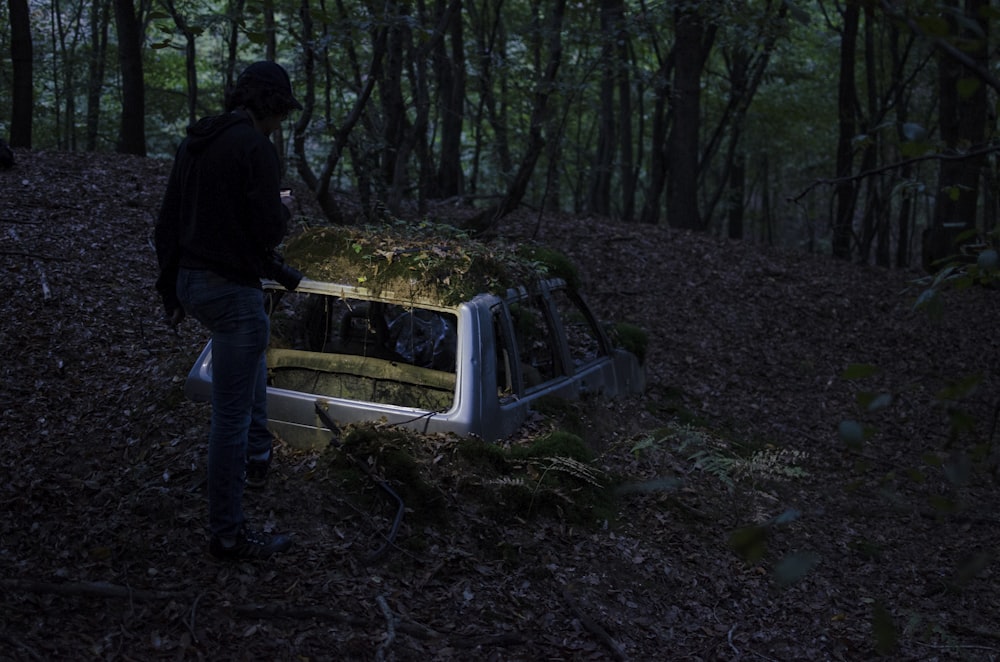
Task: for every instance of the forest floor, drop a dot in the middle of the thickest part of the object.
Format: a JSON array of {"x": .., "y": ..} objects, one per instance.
[{"x": 749, "y": 528}]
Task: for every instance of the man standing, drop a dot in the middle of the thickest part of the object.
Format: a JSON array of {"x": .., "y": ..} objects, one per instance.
[{"x": 221, "y": 219}]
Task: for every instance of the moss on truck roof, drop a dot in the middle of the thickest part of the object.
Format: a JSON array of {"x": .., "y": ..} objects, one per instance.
[{"x": 427, "y": 261}]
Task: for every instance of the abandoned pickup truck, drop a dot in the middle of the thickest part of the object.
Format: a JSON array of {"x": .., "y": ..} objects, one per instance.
[{"x": 432, "y": 335}]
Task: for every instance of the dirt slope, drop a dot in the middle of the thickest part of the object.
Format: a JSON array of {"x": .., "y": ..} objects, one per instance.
[{"x": 750, "y": 529}]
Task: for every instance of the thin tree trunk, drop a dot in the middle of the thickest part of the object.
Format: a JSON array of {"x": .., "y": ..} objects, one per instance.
[
  {"x": 843, "y": 223},
  {"x": 658, "y": 165},
  {"x": 451, "y": 83},
  {"x": 962, "y": 122},
  {"x": 132, "y": 136},
  {"x": 599, "y": 199},
  {"x": 626, "y": 156},
  {"x": 692, "y": 46},
  {"x": 190, "y": 63},
  {"x": 100, "y": 11},
  {"x": 544, "y": 89}
]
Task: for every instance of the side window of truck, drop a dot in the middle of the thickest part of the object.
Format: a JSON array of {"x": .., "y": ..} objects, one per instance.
[
  {"x": 505, "y": 356},
  {"x": 582, "y": 335},
  {"x": 538, "y": 357}
]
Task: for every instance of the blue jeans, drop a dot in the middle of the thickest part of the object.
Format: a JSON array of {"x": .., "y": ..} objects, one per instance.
[{"x": 235, "y": 316}]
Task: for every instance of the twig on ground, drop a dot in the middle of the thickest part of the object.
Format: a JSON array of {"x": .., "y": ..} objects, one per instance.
[
  {"x": 729, "y": 637},
  {"x": 593, "y": 626},
  {"x": 190, "y": 623},
  {"x": 89, "y": 589},
  {"x": 390, "y": 628},
  {"x": 20, "y": 647}
]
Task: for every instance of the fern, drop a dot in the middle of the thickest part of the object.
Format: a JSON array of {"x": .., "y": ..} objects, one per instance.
[{"x": 571, "y": 467}]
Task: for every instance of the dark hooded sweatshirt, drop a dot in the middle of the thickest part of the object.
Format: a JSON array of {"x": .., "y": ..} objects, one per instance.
[{"x": 222, "y": 210}]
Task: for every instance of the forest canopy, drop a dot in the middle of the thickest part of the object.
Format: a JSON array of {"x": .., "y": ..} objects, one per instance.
[{"x": 850, "y": 128}]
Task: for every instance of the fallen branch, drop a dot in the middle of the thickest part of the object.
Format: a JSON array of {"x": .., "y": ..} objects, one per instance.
[
  {"x": 115, "y": 591},
  {"x": 17, "y": 645},
  {"x": 981, "y": 151},
  {"x": 594, "y": 627},
  {"x": 390, "y": 635},
  {"x": 35, "y": 256},
  {"x": 46, "y": 292},
  {"x": 89, "y": 589},
  {"x": 409, "y": 628}
]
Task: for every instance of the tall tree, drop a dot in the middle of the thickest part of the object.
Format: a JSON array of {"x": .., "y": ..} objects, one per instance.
[
  {"x": 604, "y": 157},
  {"x": 22, "y": 55},
  {"x": 693, "y": 43},
  {"x": 449, "y": 64},
  {"x": 132, "y": 135},
  {"x": 847, "y": 101},
  {"x": 962, "y": 123},
  {"x": 100, "y": 15},
  {"x": 543, "y": 91},
  {"x": 490, "y": 37},
  {"x": 190, "y": 59}
]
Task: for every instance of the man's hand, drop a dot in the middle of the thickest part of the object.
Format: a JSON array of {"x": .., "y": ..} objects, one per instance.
[{"x": 288, "y": 200}]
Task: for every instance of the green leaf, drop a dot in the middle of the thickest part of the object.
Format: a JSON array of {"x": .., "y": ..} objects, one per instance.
[
  {"x": 960, "y": 389},
  {"x": 879, "y": 402},
  {"x": 943, "y": 504},
  {"x": 988, "y": 260},
  {"x": 913, "y": 131},
  {"x": 851, "y": 433},
  {"x": 913, "y": 148},
  {"x": 966, "y": 87},
  {"x": 926, "y": 298},
  {"x": 957, "y": 469},
  {"x": 787, "y": 517},
  {"x": 794, "y": 567},
  {"x": 750, "y": 542},
  {"x": 934, "y": 26},
  {"x": 859, "y": 371},
  {"x": 886, "y": 637},
  {"x": 869, "y": 401}
]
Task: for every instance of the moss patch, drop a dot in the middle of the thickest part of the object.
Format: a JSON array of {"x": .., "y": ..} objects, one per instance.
[{"x": 424, "y": 261}]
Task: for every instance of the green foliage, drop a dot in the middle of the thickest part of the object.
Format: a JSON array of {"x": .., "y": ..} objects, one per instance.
[
  {"x": 794, "y": 567},
  {"x": 884, "y": 630},
  {"x": 632, "y": 338},
  {"x": 424, "y": 260},
  {"x": 393, "y": 454},
  {"x": 552, "y": 475}
]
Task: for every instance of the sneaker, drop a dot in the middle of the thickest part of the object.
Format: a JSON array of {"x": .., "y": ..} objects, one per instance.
[
  {"x": 257, "y": 471},
  {"x": 248, "y": 544}
]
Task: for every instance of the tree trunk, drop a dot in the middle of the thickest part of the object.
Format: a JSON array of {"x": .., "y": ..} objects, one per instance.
[
  {"x": 190, "y": 63},
  {"x": 847, "y": 98},
  {"x": 904, "y": 215},
  {"x": 692, "y": 45},
  {"x": 737, "y": 194},
  {"x": 599, "y": 201},
  {"x": 544, "y": 89},
  {"x": 132, "y": 135},
  {"x": 451, "y": 86},
  {"x": 626, "y": 156},
  {"x": 21, "y": 54},
  {"x": 491, "y": 45},
  {"x": 391, "y": 94},
  {"x": 962, "y": 124},
  {"x": 234, "y": 16},
  {"x": 101, "y": 10},
  {"x": 658, "y": 164}
]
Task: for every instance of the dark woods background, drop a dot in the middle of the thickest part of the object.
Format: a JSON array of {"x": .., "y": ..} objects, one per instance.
[{"x": 849, "y": 128}]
